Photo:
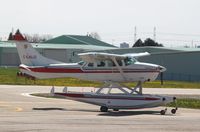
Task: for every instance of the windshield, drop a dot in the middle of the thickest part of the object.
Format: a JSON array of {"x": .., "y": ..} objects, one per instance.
[
  {"x": 129, "y": 61},
  {"x": 81, "y": 63}
]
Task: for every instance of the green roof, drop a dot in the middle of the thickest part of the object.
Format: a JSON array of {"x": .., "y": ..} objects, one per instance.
[
  {"x": 77, "y": 40},
  {"x": 10, "y": 44}
]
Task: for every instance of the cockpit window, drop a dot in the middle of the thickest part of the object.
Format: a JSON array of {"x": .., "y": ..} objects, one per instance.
[
  {"x": 129, "y": 61},
  {"x": 81, "y": 63}
]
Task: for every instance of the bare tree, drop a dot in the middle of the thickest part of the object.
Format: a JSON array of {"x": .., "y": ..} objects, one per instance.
[
  {"x": 95, "y": 35},
  {"x": 36, "y": 38}
]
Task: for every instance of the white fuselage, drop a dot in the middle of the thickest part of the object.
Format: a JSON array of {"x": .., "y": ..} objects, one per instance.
[
  {"x": 96, "y": 66},
  {"x": 131, "y": 73}
]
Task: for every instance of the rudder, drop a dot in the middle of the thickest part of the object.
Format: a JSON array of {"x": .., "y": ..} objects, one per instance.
[{"x": 28, "y": 55}]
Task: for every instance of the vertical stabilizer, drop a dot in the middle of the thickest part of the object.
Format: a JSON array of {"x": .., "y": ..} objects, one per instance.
[{"x": 28, "y": 55}]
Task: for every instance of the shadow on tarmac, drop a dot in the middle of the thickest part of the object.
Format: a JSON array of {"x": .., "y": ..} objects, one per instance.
[
  {"x": 129, "y": 113},
  {"x": 109, "y": 113},
  {"x": 49, "y": 108},
  {"x": 62, "y": 109}
]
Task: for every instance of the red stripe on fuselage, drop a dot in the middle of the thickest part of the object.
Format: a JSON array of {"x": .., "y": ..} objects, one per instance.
[
  {"x": 77, "y": 70},
  {"x": 56, "y": 70},
  {"x": 74, "y": 95}
]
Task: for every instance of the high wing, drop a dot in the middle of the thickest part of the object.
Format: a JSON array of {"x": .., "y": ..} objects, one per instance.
[
  {"x": 97, "y": 56},
  {"x": 137, "y": 55}
]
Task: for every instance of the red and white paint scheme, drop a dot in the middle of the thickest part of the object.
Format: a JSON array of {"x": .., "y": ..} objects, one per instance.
[{"x": 96, "y": 66}]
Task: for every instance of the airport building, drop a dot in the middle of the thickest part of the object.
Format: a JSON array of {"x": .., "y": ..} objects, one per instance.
[
  {"x": 182, "y": 64},
  {"x": 124, "y": 45}
]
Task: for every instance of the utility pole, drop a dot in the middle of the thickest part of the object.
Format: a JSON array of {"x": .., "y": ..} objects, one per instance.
[
  {"x": 135, "y": 34},
  {"x": 154, "y": 34}
]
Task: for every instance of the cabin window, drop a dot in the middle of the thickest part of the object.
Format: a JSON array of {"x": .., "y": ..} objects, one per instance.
[
  {"x": 100, "y": 64},
  {"x": 110, "y": 63},
  {"x": 129, "y": 61},
  {"x": 90, "y": 64}
]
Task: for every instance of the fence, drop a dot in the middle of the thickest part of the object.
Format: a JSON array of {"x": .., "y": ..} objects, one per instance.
[{"x": 180, "y": 77}]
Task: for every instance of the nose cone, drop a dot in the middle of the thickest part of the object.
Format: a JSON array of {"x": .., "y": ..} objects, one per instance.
[{"x": 161, "y": 68}]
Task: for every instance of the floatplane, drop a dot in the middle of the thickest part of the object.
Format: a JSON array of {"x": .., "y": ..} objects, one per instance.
[{"x": 112, "y": 69}]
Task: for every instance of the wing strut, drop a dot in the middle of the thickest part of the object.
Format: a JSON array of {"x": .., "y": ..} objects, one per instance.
[
  {"x": 119, "y": 68},
  {"x": 138, "y": 86}
]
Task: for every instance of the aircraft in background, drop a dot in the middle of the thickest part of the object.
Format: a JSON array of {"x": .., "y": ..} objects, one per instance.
[{"x": 112, "y": 69}]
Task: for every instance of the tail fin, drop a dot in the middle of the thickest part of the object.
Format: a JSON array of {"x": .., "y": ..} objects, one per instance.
[{"x": 28, "y": 55}]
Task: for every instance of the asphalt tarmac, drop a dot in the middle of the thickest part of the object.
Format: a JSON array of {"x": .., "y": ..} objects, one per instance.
[{"x": 20, "y": 112}]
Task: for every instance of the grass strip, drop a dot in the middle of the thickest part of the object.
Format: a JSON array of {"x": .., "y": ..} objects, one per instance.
[{"x": 186, "y": 103}]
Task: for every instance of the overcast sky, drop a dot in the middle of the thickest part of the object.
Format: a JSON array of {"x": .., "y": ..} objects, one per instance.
[{"x": 176, "y": 21}]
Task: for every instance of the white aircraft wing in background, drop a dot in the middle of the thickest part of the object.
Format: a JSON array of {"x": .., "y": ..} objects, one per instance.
[
  {"x": 137, "y": 55},
  {"x": 95, "y": 56}
]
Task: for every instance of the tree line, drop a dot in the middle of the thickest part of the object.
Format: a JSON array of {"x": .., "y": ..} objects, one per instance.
[{"x": 147, "y": 42}]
